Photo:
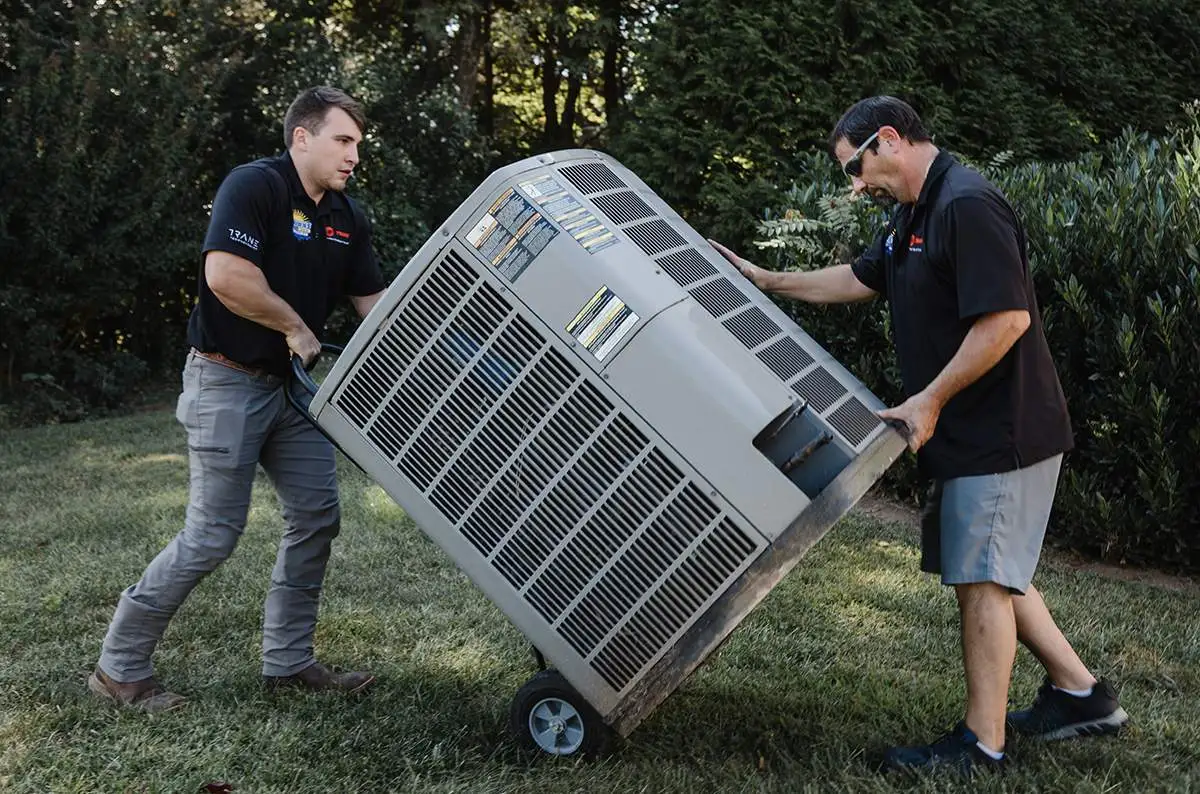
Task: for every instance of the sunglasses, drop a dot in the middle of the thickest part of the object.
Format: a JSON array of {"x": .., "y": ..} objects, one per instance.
[{"x": 853, "y": 166}]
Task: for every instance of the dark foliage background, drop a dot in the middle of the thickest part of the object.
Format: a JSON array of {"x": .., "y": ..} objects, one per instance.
[{"x": 120, "y": 117}]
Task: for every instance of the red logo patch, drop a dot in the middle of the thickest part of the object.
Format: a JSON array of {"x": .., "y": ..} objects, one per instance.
[{"x": 337, "y": 235}]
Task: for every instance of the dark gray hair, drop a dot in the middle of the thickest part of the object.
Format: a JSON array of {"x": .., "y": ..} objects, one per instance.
[{"x": 866, "y": 116}]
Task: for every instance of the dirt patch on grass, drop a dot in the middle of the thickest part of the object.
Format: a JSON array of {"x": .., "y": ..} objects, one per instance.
[
  {"x": 887, "y": 510},
  {"x": 1166, "y": 581}
]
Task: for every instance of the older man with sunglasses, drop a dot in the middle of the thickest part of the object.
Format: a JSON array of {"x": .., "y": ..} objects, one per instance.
[{"x": 985, "y": 414}]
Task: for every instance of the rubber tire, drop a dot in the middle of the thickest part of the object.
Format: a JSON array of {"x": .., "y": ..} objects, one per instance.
[{"x": 598, "y": 737}]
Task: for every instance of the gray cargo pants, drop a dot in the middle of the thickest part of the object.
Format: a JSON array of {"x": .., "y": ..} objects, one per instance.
[{"x": 235, "y": 421}]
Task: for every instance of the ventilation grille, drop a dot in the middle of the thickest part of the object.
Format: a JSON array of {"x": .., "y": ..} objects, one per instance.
[
  {"x": 655, "y": 236},
  {"x": 592, "y": 177},
  {"x": 820, "y": 389},
  {"x": 751, "y": 327},
  {"x": 624, "y": 207},
  {"x": 582, "y": 514},
  {"x": 854, "y": 420},
  {"x": 782, "y": 354},
  {"x": 786, "y": 358},
  {"x": 687, "y": 266},
  {"x": 720, "y": 297}
]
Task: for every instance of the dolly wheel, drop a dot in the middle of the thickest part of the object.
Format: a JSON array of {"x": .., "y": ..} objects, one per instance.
[{"x": 549, "y": 716}]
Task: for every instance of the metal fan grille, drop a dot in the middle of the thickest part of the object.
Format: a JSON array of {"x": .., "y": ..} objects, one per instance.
[{"x": 574, "y": 506}]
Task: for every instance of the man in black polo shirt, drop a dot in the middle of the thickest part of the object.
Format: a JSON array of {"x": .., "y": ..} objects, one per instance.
[
  {"x": 284, "y": 245},
  {"x": 984, "y": 412}
]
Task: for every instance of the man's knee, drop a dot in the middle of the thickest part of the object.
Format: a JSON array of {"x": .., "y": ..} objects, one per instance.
[
  {"x": 324, "y": 520},
  {"x": 977, "y": 593},
  {"x": 204, "y": 546},
  {"x": 312, "y": 510}
]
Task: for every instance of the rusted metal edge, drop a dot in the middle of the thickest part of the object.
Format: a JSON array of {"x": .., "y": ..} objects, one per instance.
[{"x": 755, "y": 583}]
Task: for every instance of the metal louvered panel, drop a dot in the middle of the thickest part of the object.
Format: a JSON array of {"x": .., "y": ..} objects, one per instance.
[
  {"x": 819, "y": 388},
  {"x": 786, "y": 358},
  {"x": 752, "y": 327},
  {"x": 561, "y": 494},
  {"x": 687, "y": 266},
  {"x": 719, "y": 297},
  {"x": 854, "y": 421},
  {"x": 624, "y": 207},
  {"x": 655, "y": 236},
  {"x": 592, "y": 177},
  {"x": 781, "y": 353},
  {"x": 714, "y": 557}
]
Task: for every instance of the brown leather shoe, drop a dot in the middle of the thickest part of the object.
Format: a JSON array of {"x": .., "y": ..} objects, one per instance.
[
  {"x": 145, "y": 695},
  {"x": 318, "y": 677}
]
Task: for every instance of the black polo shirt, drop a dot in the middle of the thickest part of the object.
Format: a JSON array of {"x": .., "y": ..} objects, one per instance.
[
  {"x": 312, "y": 256},
  {"x": 957, "y": 253}
]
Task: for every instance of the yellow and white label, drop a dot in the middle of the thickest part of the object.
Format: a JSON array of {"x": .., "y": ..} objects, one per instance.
[{"x": 602, "y": 323}]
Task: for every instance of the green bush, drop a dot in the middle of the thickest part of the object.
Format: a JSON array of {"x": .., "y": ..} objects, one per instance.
[
  {"x": 1113, "y": 248},
  {"x": 101, "y": 214},
  {"x": 111, "y": 161}
]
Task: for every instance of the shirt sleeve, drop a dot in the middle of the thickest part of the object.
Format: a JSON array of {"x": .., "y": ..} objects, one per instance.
[
  {"x": 986, "y": 251},
  {"x": 868, "y": 268},
  {"x": 364, "y": 276},
  {"x": 240, "y": 215}
]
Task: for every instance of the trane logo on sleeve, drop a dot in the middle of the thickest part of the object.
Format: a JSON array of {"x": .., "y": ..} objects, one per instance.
[{"x": 241, "y": 237}]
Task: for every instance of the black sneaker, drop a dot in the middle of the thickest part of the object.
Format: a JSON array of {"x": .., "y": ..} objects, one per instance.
[
  {"x": 1058, "y": 715},
  {"x": 957, "y": 751}
]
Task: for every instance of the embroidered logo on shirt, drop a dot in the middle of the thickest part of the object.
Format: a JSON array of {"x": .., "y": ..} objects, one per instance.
[
  {"x": 301, "y": 226},
  {"x": 337, "y": 235},
  {"x": 239, "y": 236},
  {"x": 916, "y": 244}
]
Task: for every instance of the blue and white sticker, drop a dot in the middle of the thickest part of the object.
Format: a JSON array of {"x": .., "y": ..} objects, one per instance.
[{"x": 301, "y": 226}]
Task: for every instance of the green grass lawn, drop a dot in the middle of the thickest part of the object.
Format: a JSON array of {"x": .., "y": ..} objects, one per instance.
[{"x": 854, "y": 651}]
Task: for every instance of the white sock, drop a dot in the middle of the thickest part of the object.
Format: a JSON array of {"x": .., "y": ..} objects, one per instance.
[
  {"x": 1079, "y": 693},
  {"x": 995, "y": 756}
]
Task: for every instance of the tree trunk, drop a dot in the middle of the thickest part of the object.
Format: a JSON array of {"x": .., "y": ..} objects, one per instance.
[
  {"x": 487, "y": 112},
  {"x": 613, "y": 89},
  {"x": 550, "y": 84},
  {"x": 566, "y": 130},
  {"x": 468, "y": 50}
]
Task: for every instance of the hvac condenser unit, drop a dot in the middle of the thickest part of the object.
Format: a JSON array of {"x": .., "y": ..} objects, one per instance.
[{"x": 616, "y": 436}]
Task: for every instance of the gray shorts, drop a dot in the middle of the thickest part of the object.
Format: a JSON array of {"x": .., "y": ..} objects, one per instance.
[{"x": 989, "y": 528}]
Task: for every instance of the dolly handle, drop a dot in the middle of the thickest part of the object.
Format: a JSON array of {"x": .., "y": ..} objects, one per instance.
[
  {"x": 300, "y": 372},
  {"x": 301, "y": 376}
]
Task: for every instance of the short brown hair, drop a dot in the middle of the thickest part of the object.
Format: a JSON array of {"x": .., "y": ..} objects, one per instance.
[{"x": 309, "y": 108}]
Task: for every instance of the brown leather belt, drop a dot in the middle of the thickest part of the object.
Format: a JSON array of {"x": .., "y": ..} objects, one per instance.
[{"x": 229, "y": 362}]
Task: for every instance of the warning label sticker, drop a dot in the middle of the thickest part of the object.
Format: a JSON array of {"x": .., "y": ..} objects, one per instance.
[
  {"x": 575, "y": 219},
  {"x": 602, "y": 323},
  {"x": 511, "y": 233}
]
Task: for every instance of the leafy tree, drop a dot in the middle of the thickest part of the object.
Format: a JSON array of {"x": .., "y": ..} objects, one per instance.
[
  {"x": 732, "y": 92},
  {"x": 112, "y": 161},
  {"x": 104, "y": 199}
]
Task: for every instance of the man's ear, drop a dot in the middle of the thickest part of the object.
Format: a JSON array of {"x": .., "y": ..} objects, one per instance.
[
  {"x": 889, "y": 135},
  {"x": 300, "y": 139}
]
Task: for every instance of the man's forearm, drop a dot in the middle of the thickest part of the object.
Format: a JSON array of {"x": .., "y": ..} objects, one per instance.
[
  {"x": 243, "y": 290},
  {"x": 836, "y": 284},
  {"x": 988, "y": 341}
]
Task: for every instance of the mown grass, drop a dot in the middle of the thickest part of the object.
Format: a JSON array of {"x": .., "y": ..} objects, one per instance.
[{"x": 854, "y": 651}]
